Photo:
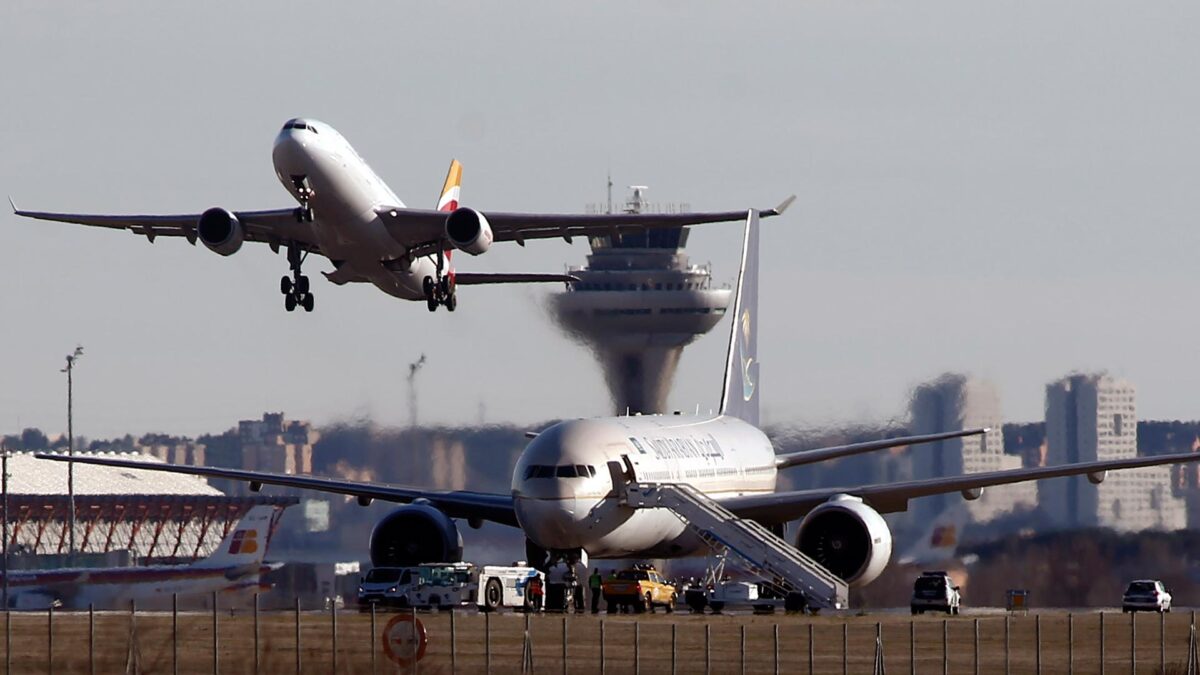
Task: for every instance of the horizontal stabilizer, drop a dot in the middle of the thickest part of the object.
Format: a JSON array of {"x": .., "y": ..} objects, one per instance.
[{"x": 474, "y": 279}]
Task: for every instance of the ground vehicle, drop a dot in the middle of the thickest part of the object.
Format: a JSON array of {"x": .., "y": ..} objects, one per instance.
[
  {"x": 1146, "y": 595},
  {"x": 501, "y": 586},
  {"x": 935, "y": 591},
  {"x": 640, "y": 587},
  {"x": 433, "y": 585}
]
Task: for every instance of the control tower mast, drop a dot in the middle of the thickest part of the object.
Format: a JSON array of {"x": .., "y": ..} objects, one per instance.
[{"x": 637, "y": 303}]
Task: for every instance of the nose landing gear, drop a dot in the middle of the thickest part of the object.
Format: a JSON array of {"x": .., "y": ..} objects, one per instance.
[{"x": 295, "y": 288}]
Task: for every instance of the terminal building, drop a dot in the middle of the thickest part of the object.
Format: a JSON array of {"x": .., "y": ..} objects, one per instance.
[
  {"x": 144, "y": 516},
  {"x": 954, "y": 402},
  {"x": 1094, "y": 417},
  {"x": 637, "y": 303}
]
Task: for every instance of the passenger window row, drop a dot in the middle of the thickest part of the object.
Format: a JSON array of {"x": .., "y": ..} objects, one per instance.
[{"x": 563, "y": 471}]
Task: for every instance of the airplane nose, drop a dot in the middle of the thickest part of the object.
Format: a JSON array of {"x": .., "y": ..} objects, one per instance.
[{"x": 550, "y": 522}]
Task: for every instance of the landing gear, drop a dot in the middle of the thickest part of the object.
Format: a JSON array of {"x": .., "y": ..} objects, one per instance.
[
  {"x": 295, "y": 288},
  {"x": 440, "y": 290}
]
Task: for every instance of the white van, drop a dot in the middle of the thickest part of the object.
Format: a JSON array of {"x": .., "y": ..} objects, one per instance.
[{"x": 431, "y": 585}]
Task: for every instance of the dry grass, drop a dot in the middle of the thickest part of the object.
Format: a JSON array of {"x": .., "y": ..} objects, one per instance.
[{"x": 153, "y": 643}]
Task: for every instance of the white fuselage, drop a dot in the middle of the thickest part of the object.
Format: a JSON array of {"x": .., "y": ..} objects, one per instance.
[
  {"x": 346, "y": 196},
  {"x": 721, "y": 456},
  {"x": 113, "y": 587}
]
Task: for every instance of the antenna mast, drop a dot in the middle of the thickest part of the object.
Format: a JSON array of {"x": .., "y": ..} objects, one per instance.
[{"x": 413, "y": 368}]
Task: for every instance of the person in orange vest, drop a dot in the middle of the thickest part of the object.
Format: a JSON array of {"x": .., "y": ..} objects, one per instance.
[{"x": 533, "y": 590}]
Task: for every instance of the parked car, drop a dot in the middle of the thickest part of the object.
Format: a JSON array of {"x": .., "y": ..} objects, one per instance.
[
  {"x": 1146, "y": 595},
  {"x": 935, "y": 591}
]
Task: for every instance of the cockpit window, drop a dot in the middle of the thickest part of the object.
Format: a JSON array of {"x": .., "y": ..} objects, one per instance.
[
  {"x": 564, "y": 471},
  {"x": 293, "y": 124}
]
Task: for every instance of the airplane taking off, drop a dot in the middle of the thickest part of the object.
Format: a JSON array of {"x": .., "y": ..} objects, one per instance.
[
  {"x": 567, "y": 495},
  {"x": 347, "y": 214},
  {"x": 235, "y": 564}
]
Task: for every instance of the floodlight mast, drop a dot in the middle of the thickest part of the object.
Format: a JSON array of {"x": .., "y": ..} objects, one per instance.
[{"x": 69, "y": 370}]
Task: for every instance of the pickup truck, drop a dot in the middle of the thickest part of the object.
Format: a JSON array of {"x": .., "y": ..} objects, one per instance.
[{"x": 639, "y": 587}]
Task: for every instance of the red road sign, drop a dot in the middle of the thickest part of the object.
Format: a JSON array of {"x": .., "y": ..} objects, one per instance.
[{"x": 404, "y": 639}]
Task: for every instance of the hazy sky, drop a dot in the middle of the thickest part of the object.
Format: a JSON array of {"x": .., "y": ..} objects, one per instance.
[{"x": 1005, "y": 188}]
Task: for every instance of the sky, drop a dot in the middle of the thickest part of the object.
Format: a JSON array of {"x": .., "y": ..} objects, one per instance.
[{"x": 1006, "y": 189}]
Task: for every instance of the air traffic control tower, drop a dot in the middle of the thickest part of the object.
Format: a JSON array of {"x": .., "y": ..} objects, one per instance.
[{"x": 637, "y": 303}]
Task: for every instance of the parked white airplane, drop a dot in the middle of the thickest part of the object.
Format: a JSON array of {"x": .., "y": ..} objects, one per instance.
[
  {"x": 347, "y": 214},
  {"x": 237, "y": 563},
  {"x": 564, "y": 499}
]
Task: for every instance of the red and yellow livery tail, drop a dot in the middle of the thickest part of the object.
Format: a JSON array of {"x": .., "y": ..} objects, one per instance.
[{"x": 451, "y": 188}]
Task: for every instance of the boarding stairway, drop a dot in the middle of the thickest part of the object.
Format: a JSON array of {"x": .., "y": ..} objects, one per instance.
[{"x": 761, "y": 552}]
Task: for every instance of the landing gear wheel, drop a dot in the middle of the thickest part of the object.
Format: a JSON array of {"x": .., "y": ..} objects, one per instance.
[
  {"x": 307, "y": 302},
  {"x": 451, "y": 302},
  {"x": 427, "y": 287},
  {"x": 302, "y": 284},
  {"x": 432, "y": 304},
  {"x": 289, "y": 302},
  {"x": 285, "y": 285}
]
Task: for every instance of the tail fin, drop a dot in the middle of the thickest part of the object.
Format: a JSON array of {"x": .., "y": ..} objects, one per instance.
[
  {"x": 740, "y": 395},
  {"x": 451, "y": 188},
  {"x": 246, "y": 543}
]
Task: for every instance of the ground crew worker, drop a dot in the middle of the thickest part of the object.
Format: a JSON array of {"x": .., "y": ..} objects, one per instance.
[
  {"x": 534, "y": 590},
  {"x": 595, "y": 583}
]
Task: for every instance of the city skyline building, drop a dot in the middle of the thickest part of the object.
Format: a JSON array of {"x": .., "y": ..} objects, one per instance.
[
  {"x": 1093, "y": 417},
  {"x": 954, "y": 402}
]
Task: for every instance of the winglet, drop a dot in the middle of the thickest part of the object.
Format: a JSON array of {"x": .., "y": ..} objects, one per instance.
[
  {"x": 778, "y": 210},
  {"x": 13, "y": 204}
]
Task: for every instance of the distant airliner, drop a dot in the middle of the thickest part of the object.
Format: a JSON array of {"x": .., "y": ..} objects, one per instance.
[
  {"x": 237, "y": 563},
  {"x": 347, "y": 214},
  {"x": 565, "y": 500}
]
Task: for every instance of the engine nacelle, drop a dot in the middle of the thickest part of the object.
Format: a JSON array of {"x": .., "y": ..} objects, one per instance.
[
  {"x": 220, "y": 231},
  {"x": 414, "y": 534},
  {"x": 848, "y": 537},
  {"x": 469, "y": 231}
]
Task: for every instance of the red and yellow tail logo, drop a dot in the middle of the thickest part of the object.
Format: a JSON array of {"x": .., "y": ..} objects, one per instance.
[
  {"x": 244, "y": 541},
  {"x": 451, "y": 188}
]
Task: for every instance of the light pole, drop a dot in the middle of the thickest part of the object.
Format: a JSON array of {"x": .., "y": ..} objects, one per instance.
[
  {"x": 71, "y": 359},
  {"x": 4, "y": 489}
]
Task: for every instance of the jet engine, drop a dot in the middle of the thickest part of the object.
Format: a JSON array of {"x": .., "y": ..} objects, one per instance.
[
  {"x": 469, "y": 231},
  {"x": 220, "y": 231},
  {"x": 848, "y": 538},
  {"x": 414, "y": 534}
]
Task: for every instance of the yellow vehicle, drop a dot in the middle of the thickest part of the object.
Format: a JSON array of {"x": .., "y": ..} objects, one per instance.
[{"x": 639, "y": 587}]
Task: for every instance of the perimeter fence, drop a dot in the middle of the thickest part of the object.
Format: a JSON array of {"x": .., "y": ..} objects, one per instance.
[{"x": 289, "y": 640}]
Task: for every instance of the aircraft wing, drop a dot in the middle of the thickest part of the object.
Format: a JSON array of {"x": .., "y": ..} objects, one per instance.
[
  {"x": 782, "y": 507},
  {"x": 455, "y": 503},
  {"x": 274, "y": 227},
  {"x": 422, "y": 231},
  {"x": 474, "y": 278},
  {"x": 822, "y": 454}
]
